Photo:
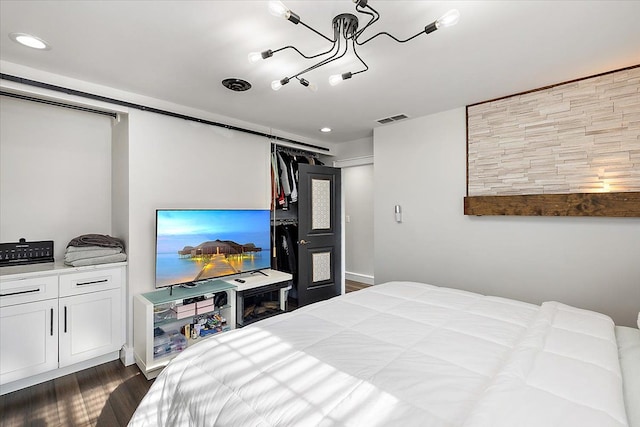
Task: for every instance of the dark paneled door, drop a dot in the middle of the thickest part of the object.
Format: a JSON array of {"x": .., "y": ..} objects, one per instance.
[{"x": 319, "y": 236}]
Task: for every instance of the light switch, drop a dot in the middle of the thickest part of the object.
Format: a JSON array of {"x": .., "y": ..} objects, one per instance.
[{"x": 347, "y": 218}]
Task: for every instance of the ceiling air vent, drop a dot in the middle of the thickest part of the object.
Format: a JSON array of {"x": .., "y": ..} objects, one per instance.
[
  {"x": 236, "y": 85},
  {"x": 392, "y": 119}
]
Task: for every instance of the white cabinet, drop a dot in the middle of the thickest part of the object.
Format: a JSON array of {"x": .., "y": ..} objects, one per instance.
[
  {"x": 89, "y": 326},
  {"x": 260, "y": 291},
  {"x": 28, "y": 327},
  {"x": 159, "y": 320},
  {"x": 58, "y": 320},
  {"x": 28, "y": 339},
  {"x": 90, "y": 315}
]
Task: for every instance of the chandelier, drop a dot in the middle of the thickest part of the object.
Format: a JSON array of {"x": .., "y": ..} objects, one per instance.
[{"x": 346, "y": 34}]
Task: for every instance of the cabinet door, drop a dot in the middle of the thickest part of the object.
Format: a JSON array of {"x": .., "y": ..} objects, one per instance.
[
  {"x": 90, "y": 326},
  {"x": 28, "y": 339}
]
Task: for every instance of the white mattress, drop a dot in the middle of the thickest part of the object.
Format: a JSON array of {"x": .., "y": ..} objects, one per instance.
[
  {"x": 400, "y": 353},
  {"x": 629, "y": 353}
]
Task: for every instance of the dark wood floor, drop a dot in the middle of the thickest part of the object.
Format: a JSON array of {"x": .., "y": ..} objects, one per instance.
[
  {"x": 106, "y": 395},
  {"x": 351, "y": 285}
]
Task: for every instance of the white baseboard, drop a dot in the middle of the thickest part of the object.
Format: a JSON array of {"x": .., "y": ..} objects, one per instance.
[
  {"x": 56, "y": 373},
  {"x": 357, "y": 277},
  {"x": 126, "y": 355}
]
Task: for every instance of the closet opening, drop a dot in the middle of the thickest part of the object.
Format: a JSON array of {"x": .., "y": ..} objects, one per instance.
[{"x": 306, "y": 223}]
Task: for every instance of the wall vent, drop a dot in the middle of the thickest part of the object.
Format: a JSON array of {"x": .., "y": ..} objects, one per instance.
[{"x": 392, "y": 119}]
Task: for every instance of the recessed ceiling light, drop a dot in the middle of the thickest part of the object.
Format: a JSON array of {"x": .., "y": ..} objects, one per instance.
[
  {"x": 29, "y": 41},
  {"x": 325, "y": 130}
]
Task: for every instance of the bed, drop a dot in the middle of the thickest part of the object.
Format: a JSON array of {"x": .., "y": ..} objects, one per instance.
[{"x": 401, "y": 353}]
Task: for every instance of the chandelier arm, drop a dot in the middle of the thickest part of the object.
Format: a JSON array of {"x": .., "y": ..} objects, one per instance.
[
  {"x": 384, "y": 33},
  {"x": 317, "y": 32},
  {"x": 305, "y": 56},
  {"x": 374, "y": 18},
  {"x": 333, "y": 45},
  {"x": 366, "y": 67},
  {"x": 323, "y": 62}
]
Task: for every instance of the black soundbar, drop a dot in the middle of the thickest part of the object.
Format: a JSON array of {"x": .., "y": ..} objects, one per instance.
[{"x": 24, "y": 252}]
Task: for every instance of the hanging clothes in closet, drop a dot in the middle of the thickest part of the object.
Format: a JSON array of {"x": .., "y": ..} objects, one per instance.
[
  {"x": 286, "y": 245},
  {"x": 284, "y": 188},
  {"x": 284, "y": 174}
]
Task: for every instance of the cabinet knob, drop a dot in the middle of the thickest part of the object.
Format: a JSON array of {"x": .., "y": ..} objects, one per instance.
[{"x": 303, "y": 242}]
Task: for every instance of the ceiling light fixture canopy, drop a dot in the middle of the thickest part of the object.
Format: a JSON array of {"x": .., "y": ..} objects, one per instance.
[{"x": 345, "y": 34}]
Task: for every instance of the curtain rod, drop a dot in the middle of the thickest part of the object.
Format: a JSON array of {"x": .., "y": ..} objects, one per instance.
[
  {"x": 293, "y": 150},
  {"x": 149, "y": 109},
  {"x": 58, "y": 104}
]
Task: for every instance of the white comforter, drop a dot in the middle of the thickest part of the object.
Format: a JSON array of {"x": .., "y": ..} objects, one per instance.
[{"x": 400, "y": 354}]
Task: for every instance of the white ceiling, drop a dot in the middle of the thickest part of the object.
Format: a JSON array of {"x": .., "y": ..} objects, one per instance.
[{"x": 180, "y": 51}]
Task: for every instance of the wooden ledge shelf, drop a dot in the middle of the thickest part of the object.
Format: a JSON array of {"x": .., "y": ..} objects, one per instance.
[{"x": 626, "y": 204}]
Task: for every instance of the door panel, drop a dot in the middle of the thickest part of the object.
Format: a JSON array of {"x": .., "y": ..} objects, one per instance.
[
  {"x": 28, "y": 340},
  {"x": 320, "y": 206},
  {"x": 89, "y": 326},
  {"x": 319, "y": 238},
  {"x": 321, "y": 262}
]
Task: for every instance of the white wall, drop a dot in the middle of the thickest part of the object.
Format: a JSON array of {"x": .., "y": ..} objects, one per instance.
[
  {"x": 120, "y": 178},
  {"x": 356, "y": 158},
  {"x": 588, "y": 262},
  {"x": 357, "y": 184},
  {"x": 55, "y": 173},
  {"x": 353, "y": 149},
  {"x": 174, "y": 163}
]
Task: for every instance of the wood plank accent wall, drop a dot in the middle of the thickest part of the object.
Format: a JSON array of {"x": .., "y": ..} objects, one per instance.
[{"x": 580, "y": 137}]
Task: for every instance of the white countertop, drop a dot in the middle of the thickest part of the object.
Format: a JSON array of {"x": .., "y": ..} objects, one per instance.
[
  {"x": 46, "y": 268},
  {"x": 256, "y": 279}
]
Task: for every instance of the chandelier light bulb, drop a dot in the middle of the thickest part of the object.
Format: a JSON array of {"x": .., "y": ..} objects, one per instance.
[
  {"x": 311, "y": 86},
  {"x": 277, "y": 8},
  {"x": 277, "y": 84},
  {"x": 254, "y": 57},
  {"x": 336, "y": 79},
  {"x": 448, "y": 19}
]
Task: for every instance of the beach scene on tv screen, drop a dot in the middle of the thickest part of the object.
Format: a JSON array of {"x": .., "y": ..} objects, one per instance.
[{"x": 204, "y": 244}]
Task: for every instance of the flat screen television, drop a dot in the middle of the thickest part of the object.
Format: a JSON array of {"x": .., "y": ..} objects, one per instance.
[{"x": 193, "y": 245}]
